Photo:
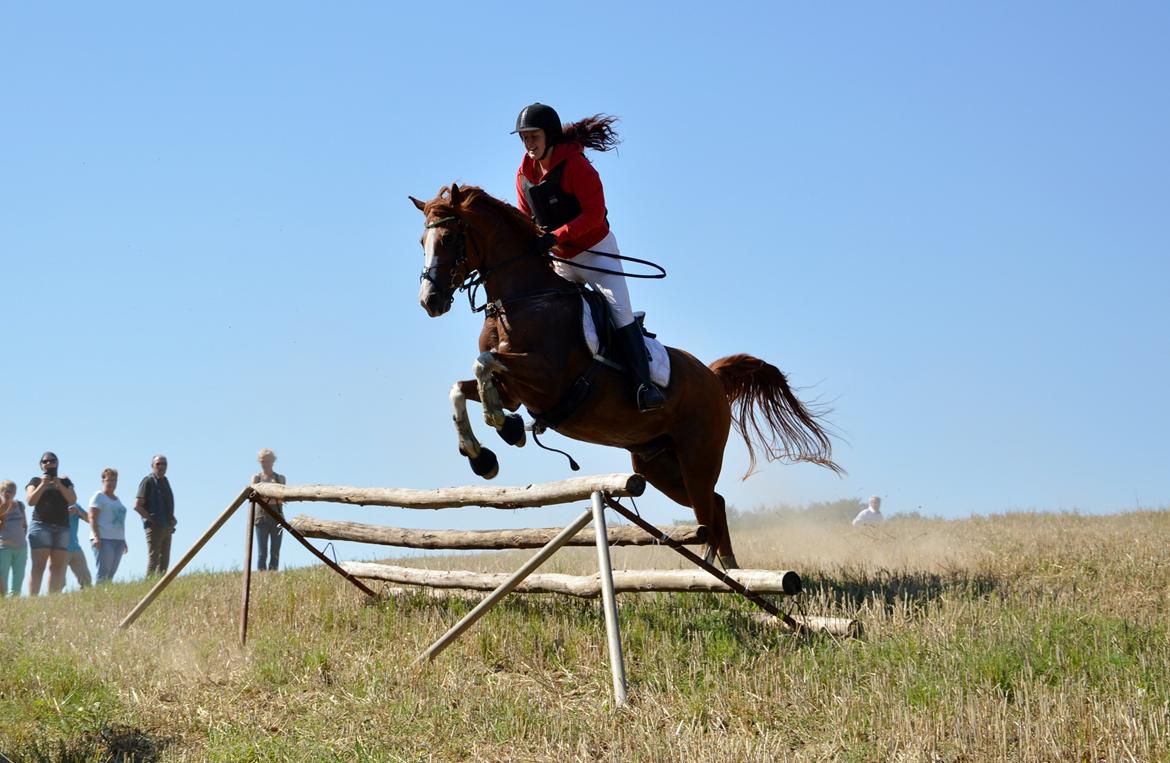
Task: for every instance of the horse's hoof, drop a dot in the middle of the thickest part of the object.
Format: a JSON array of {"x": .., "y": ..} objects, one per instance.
[
  {"x": 709, "y": 554},
  {"x": 485, "y": 465},
  {"x": 513, "y": 430}
]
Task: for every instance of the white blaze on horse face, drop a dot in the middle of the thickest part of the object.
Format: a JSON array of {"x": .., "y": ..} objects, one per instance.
[
  {"x": 429, "y": 244},
  {"x": 429, "y": 247}
]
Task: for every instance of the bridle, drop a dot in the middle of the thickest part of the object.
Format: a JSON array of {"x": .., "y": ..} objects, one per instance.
[
  {"x": 430, "y": 274},
  {"x": 473, "y": 277}
]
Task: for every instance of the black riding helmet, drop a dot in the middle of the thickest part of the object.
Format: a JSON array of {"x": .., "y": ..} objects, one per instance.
[{"x": 539, "y": 116}]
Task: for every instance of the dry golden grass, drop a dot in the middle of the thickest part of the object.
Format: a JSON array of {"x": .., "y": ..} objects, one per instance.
[{"x": 1018, "y": 637}]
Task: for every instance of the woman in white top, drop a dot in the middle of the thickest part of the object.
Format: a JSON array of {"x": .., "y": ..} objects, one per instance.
[{"x": 107, "y": 520}]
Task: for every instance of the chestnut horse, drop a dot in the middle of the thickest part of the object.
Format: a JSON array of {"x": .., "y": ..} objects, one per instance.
[{"x": 532, "y": 353}]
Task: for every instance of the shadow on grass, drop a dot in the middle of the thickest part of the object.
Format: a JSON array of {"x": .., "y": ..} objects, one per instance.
[
  {"x": 114, "y": 743},
  {"x": 889, "y": 589},
  {"x": 684, "y": 614}
]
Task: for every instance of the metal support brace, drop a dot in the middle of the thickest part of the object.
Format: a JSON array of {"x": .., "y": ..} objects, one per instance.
[
  {"x": 613, "y": 634},
  {"x": 719, "y": 574},
  {"x": 247, "y": 593},
  {"x": 505, "y": 588},
  {"x": 280, "y": 520}
]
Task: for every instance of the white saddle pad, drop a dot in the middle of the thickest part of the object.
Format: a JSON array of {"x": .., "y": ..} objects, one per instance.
[{"x": 659, "y": 358}]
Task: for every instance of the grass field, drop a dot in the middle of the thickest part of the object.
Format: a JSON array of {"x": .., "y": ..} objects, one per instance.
[{"x": 1016, "y": 637}]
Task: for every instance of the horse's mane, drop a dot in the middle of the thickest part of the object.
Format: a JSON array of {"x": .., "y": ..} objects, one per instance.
[{"x": 471, "y": 196}]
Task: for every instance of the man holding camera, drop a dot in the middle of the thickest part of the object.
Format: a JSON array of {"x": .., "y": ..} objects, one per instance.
[{"x": 156, "y": 504}]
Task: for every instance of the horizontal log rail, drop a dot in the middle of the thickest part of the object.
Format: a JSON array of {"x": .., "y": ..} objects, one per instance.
[
  {"x": 844, "y": 627},
  {"x": 520, "y": 497},
  {"x": 530, "y": 537},
  {"x": 585, "y": 586}
]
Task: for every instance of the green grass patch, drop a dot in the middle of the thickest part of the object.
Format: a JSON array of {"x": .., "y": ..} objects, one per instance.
[{"x": 1022, "y": 637}]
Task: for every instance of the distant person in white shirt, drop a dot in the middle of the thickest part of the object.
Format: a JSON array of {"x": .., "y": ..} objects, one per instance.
[{"x": 871, "y": 514}]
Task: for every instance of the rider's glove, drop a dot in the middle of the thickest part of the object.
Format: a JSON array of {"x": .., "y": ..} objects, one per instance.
[{"x": 544, "y": 243}]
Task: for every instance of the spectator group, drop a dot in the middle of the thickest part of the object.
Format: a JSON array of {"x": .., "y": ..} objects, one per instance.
[{"x": 43, "y": 528}]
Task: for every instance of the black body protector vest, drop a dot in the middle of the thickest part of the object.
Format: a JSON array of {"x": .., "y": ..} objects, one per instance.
[{"x": 551, "y": 206}]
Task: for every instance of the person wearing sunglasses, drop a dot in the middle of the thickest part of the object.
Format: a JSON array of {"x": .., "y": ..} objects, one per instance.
[{"x": 48, "y": 534}]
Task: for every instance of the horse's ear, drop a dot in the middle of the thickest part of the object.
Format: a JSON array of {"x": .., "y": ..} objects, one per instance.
[
  {"x": 455, "y": 194},
  {"x": 420, "y": 204}
]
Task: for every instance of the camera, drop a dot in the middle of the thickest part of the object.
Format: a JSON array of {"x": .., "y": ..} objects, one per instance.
[{"x": 51, "y": 471}]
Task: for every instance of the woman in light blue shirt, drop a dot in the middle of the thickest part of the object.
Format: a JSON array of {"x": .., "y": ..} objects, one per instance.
[{"x": 107, "y": 521}]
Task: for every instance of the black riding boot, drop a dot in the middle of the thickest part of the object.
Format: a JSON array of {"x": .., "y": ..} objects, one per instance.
[{"x": 650, "y": 398}]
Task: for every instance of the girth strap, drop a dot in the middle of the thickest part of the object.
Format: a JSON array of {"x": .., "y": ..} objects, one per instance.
[{"x": 570, "y": 402}]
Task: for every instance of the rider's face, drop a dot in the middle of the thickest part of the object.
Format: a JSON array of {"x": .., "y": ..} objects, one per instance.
[{"x": 534, "y": 143}]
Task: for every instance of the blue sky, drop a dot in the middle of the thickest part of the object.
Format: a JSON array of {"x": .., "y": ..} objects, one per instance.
[{"x": 948, "y": 221}]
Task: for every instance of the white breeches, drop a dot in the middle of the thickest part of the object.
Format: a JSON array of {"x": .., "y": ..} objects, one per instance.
[{"x": 612, "y": 287}]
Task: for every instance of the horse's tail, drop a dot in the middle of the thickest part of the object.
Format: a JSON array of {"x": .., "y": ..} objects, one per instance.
[{"x": 792, "y": 431}]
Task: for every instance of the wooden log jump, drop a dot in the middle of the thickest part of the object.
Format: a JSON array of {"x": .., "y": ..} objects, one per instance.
[
  {"x": 584, "y": 586},
  {"x": 325, "y": 529},
  {"x": 600, "y": 491},
  {"x": 525, "y": 497}
]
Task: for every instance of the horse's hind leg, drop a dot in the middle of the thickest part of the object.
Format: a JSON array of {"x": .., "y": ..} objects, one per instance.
[
  {"x": 726, "y": 554},
  {"x": 700, "y": 467},
  {"x": 665, "y": 473},
  {"x": 483, "y": 461}
]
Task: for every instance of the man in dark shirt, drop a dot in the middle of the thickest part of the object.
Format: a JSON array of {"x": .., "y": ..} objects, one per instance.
[{"x": 156, "y": 504}]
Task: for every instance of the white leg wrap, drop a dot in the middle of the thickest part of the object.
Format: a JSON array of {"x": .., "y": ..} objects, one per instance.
[{"x": 467, "y": 442}]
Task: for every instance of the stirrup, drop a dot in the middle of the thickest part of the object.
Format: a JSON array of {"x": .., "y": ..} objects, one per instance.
[{"x": 650, "y": 398}]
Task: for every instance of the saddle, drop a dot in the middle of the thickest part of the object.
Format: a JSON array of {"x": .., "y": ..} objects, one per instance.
[
  {"x": 597, "y": 331},
  {"x": 597, "y": 328}
]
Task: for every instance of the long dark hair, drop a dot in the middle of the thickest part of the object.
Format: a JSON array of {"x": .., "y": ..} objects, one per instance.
[{"x": 595, "y": 132}]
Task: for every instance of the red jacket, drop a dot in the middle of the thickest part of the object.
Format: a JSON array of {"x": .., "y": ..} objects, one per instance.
[{"x": 582, "y": 181}]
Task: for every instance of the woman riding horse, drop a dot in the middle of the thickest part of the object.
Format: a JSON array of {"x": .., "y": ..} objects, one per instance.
[
  {"x": 561, "y": 191},
  {"x": 532, "y": 354}
]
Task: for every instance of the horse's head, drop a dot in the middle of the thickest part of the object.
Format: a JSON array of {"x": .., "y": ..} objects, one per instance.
[
  {"x": 472, "y": 239},
  {"x": 444, "y": 243}
]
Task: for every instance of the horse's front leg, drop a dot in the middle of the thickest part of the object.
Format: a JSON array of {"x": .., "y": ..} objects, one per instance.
[
  {"x": 483, "y": 461},
  {"x": 509, "y": 425}
]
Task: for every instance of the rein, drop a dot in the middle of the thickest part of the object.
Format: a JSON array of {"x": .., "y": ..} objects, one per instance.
[
  {"x": 478, "y": 276},
  {"x": 621, "y": 257},
  {"x": 496, "y": 306}
]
